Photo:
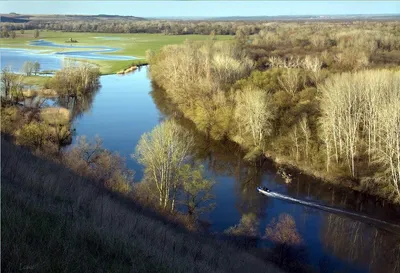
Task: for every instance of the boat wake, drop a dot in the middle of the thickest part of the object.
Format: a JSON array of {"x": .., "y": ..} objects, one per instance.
[{"x": 332, "y": 210}]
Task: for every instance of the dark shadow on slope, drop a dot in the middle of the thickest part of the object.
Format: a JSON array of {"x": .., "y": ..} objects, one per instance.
[{"x": 53, "y": 219}]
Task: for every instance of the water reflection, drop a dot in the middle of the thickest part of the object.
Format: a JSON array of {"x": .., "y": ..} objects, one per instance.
[
  {"x": 248, "y": 179},
  {"x": 361, "y": 244},
  {"x": 78, "y": 105}
]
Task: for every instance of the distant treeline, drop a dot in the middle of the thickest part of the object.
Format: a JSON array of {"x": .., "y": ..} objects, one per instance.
[{"x": 154, "y": 26}]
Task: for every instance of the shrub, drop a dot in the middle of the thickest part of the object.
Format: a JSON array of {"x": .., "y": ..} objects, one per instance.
[{"x": 33, "y": 135}]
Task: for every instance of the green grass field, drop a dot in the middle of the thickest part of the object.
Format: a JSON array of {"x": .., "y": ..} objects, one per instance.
[
  {"x": 130, "y": 44},
  {"x": 35, "y": 80}
]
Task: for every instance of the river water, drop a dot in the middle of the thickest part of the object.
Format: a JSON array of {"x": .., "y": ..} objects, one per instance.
[{"x": 342, "y": 231}]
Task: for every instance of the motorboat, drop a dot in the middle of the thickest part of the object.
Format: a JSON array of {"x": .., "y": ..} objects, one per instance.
[{"x": 263, "y": 190}]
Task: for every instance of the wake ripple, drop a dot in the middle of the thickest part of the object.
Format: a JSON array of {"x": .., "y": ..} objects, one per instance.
[{"x": 331, "y": 209}]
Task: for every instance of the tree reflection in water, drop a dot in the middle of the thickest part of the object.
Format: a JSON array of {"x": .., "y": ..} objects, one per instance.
[
  {"x": 347, "y": 239},
  {"x": 78, "y": 105},
  {"x": 359, "y": 243}
]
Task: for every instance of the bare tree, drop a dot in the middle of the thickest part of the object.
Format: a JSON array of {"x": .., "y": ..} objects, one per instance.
[
  {"x": 306, "y": 133},
  {"x": 284, "y": 234},
  {"x": 248, "y": 226},
  {"x": 254, "y": 115},
  {"x": 90, "y": 159},
  {"x": 387, "y": 152},
  {"x": 27, "y": 68},
  {"x": 360, "y": 116},
  {"x": 36, "y": 67},
  {"x": 163, "y": 152},
  {"x": 290, "y": 80},
  {"x": 314, "y": 65},
  {"x": 291, "y": 62},
  {"x": 294, "y": 136},
  {"x": 8, "y": 79}
]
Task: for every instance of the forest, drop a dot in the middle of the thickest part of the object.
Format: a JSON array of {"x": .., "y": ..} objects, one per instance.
[{"x": 323, "y": 97}]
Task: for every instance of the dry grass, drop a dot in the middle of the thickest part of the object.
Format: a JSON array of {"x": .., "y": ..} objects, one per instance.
[
  {"x": 44, "y": 93},
  {"x": 29, "y": 93},
  {"x": 56, "y": 221},
  {"x": 55, "y": 115},
  {"x": 47, "y": 93}
]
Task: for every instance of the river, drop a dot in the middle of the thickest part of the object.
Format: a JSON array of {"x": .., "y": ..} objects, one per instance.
[{"x": 342, "y": 231}]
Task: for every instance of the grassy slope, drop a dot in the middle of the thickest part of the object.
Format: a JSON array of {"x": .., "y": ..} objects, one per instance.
[
  {"x": 55, "y": 221},
  {"x": 130, "y": 44}
]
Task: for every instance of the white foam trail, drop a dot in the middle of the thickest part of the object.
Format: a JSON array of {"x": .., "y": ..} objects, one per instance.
[{"x": 329, "y": 209}]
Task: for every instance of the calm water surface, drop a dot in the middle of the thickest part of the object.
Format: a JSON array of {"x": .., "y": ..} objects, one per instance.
[{"x": 360, "y": 235}]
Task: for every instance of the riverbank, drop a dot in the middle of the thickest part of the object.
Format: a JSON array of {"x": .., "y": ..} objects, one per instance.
[
  {"x": 339, "y": 182},
  {"x": 291, "y": 167},
  {"x": 132, "y": 67}
]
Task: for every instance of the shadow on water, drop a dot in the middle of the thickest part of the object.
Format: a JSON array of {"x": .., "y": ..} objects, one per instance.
[{"x": 361, "y": 244}]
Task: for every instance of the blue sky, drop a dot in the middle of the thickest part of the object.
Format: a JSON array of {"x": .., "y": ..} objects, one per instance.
[{"x": 201, "y": 8}]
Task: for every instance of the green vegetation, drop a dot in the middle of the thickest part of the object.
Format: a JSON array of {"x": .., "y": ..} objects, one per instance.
[
  {"x": 91, "y": 160},
  {"x": 195, "y": 74},
  {"x": 248, "y": 226},
  {"x": 11, "y": 84},
  {"x": 284, "y": 96},
  {"x": 75, "y": 80},
  {"x": 286, "y": 237},
  {"x": 43, "y": 130},
  {"x": 54, "y": 219},
  {"x": 169, "y": 179},
  {"x": 35, "y": 80},
  {"x": 46, "y": 129}
]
